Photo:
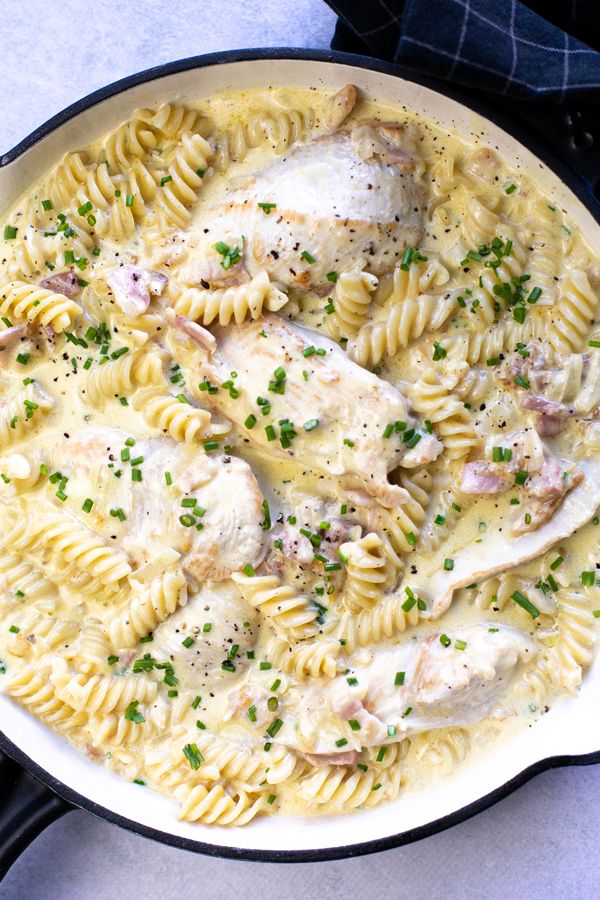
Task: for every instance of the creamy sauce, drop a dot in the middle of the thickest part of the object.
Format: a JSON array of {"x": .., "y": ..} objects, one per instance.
[{"x": 137, "y": 476}]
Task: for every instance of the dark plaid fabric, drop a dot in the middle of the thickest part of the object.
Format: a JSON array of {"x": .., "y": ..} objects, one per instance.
[{"x": 539, "y": 50}]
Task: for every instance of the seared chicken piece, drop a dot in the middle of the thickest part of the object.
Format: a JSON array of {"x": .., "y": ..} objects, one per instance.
[
  {"x": 497, "y": 552},
  {"x": 300, "y": 396},
  {"x": 232, "y": 624},
  {"x": 336, "y": 199},
  {"x": 224, "y": 487},
  {"x": 453, "y": 683}
]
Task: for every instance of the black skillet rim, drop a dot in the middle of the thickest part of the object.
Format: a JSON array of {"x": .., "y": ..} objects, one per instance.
[{"x": 573, "y": 181}]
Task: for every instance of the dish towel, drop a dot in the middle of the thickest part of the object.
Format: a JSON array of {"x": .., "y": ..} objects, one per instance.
[{"x": 542, "y": 50}]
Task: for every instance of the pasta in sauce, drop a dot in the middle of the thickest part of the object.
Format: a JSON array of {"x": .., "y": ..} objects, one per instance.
[{"x": 297, "y": 426}]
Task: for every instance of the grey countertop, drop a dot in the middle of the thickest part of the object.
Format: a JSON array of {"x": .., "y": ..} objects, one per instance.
[{"x": 541, "y": 841}]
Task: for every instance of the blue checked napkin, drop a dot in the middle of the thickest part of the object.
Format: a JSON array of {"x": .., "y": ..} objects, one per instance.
[{"x": 542, "y": 50}]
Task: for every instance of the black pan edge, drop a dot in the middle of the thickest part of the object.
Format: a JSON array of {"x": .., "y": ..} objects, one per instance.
[
  {"x": 484, "y": 107},
  {"x": 295, "y": 856}
]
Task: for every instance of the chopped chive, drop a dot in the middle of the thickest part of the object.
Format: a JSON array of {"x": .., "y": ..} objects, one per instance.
[
  {"x": 274, "y": 727},
  {"x": 132, "y": 713},
  {"x": 193, "y": 756},
  {"x": 526, "y": 604},
  {"x": 399, "y": 678}
]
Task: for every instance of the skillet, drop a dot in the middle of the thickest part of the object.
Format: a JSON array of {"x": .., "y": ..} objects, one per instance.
[{"x": 41, "y": 776}]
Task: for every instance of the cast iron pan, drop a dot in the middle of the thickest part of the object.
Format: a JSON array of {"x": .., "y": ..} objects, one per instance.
[{"x": 567, "y": 139}]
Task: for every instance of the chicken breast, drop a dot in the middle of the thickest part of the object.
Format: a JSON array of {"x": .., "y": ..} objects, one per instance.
[
  {"x": 300, "y": 396},
  {"x": 228, "y": 500},
  {"x": 497, "y": 552},
  {"x": 216, "y": 625},
  {"x": 339, "y": 198},
  {"x": 450, "y": 680}
]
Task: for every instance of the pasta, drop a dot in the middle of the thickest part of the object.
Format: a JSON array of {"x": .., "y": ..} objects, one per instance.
[
  {"x": 367, "y": 572},
  {"x": 34, "y": 304},
  {"x": 574, "y": 313},
  {"x": 173, "y": 416},
  {"x": 68, "y": 541},
  {"x": 21, "y": 414},
  {"x": 288, "y": 610},
  {"x": 148, "y": 607},
  {"x": 235, "y": 303},
  {"x": 371, "y": 626},
  {"x": 400, "y": 323},
  {"x": 277, "y": 129},
  {"x": 352, "y": 298},
  {"x": 101, "y": 693},
  {"x": 185, "y": 179},
  {"x": 299, "y": 447},
  {"x": 123, "y": 375},
  {"x": 450, "y": 418},
  {"x": 307, "y": 660}
]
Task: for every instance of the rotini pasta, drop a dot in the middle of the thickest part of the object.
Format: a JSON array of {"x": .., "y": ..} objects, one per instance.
[
  {"x": 435, "y": 402},
  {"x": 148, "y": 607},
  {"x": 189, "y": 165},
  {"x": 122, "y": 376},
  {"x": 22, "y": 413},
  {"x": 288, "y": 610},
  {"x": 237, "y": 303},
  {"x": 173, "y": 416},
  {"x": 400, "y": 323},
  {"x": 37, "y": 305},
  {"x": 368, "y": 572},
  {"x": 50, "y": 532},
  {"x": 278, "y": 129}
]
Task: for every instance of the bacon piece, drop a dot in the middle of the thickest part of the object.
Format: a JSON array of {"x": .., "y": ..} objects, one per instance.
[
  {"x": 12, "y": 336},
  {"x": 66, "y": 283},
  {"x": 196, "y": 332},
  {"x": 392, "y": 143},
  {"x": 478, "y": 477},
  {"x": 543, "y": 493},
  {"x": 340, "y": 106},
  {"x": 551, "y": 417},
  {"x": 133, "y": 286},
  {"x": 428, "y": 449}
]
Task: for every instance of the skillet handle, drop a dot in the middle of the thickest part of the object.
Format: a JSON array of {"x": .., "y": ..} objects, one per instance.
[{"x": 26, "y": 807}]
